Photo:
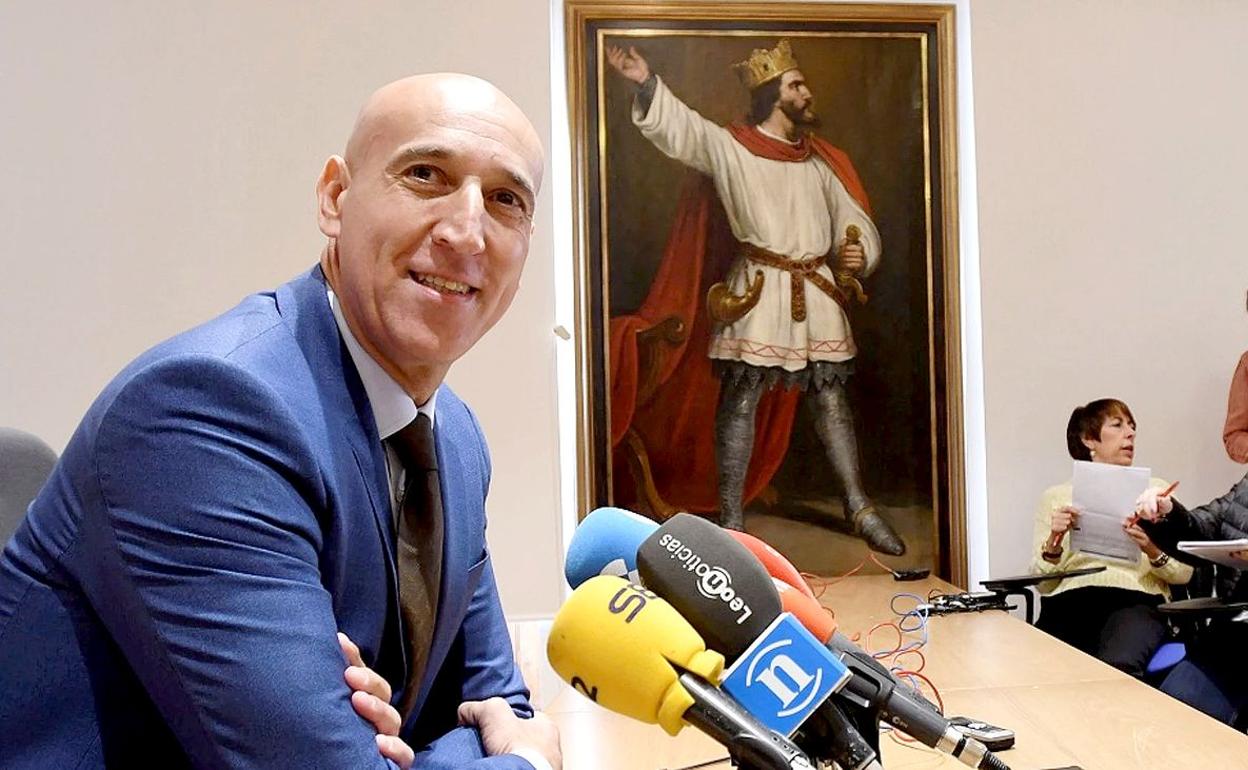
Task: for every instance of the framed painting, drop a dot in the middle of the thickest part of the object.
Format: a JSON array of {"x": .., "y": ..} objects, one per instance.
[{"x": 767, "y": 274}]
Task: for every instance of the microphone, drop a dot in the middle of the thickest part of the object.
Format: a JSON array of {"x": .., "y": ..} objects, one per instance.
[
  {"x": 871, "y": 686},
  {"x": 820, "y": 623},
  {"x": 773, "y": 561},
  {"x": 805, "y": 609},
  {"x": 727, "y": 596},
  {"x": 628, "y": 650},
  {"x": 605, "y": 543},
  {"x": 608, "y": 539}
]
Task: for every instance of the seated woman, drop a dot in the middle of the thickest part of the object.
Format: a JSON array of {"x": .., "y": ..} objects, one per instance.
[
  {"x": 1108, "y": 614},
  {"x": 1213, "y": 678}
]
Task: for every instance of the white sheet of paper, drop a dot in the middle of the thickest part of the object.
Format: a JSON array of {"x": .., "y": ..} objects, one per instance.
[
  {"x": 1218, "y": 551},
  {"x": 1105, "y": 495}
]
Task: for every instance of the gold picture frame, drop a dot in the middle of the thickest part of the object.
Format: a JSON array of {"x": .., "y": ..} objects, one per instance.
[{"x": 884, "y": 79}]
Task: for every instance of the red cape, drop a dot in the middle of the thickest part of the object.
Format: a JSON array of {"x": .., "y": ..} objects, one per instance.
[{"x": 677, "y": 423}]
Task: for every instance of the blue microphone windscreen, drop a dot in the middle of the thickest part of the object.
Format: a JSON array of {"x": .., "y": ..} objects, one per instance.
[{"x": 605, "y": 543}]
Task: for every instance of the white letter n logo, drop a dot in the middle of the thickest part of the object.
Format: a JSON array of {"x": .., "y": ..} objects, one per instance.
[{"x": 784, "y": 678}]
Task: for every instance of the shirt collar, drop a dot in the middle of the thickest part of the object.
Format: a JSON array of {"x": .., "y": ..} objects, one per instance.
[{"x": 392, "y": 407}]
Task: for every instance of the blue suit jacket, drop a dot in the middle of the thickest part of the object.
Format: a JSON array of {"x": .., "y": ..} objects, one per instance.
[{"x": 173, "y": 594}]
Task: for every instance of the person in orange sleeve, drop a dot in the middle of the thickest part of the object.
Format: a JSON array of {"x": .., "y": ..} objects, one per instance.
[{"x": 1235, "y": 433}]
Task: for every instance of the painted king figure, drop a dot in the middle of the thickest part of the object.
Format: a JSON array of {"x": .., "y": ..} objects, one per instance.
[{"x": 777, "y": 328}]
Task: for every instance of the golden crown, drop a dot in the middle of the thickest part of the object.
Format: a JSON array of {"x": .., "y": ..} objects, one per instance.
[{"x": 764, "y": 65}]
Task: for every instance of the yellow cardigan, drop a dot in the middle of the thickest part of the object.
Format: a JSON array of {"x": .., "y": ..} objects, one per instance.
[{"x": 1140, "y": 576}]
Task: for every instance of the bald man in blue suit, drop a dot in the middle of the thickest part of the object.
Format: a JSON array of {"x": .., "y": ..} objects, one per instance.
[{"x": 228, "y": 504}]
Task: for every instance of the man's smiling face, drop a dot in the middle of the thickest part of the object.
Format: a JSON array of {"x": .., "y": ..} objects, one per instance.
[{"x": 432, "y": 213}]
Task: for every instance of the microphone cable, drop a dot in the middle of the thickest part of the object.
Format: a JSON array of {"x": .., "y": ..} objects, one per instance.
[{"x": 911, "y": 622}]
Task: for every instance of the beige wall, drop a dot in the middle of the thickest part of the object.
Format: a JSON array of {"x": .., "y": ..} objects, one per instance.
[
  {"x": 158, "y": 164},
  {"x": 1111, "y": 169}
]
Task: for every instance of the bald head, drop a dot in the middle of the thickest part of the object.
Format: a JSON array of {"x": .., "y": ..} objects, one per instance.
[
  {"x": 429, "y": 215},
  {"x": 443, "y": 97}
]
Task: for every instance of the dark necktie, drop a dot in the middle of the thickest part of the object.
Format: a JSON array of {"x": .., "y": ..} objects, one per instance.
[{"x": 419, "y": 547}]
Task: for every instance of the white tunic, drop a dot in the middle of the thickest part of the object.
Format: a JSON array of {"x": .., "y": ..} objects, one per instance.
[{"x": 798, "y": 210}]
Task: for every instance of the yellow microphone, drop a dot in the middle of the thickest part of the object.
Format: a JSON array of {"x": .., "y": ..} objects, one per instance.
[
  {"x": 616, "y": 643},
  {"x": 627, "y": 649}
]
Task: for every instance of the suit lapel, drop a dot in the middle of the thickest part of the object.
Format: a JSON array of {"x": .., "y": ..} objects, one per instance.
[
  {"x": 304, "y": 306},
  {"x": 392, "y": 660}
]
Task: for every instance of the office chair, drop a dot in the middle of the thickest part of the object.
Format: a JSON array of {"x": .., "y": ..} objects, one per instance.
[
  {"x": 1187, "y": 612},
  {"x": 25, "y": 463}
]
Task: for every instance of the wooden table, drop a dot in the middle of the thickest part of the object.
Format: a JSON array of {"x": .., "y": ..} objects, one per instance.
[{"x": 1066, "y": 708}]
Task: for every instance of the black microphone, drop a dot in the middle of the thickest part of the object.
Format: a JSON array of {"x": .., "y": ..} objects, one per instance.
[
  {"x": 874, "y": 687},
  {"x": 728, "y": 598}
]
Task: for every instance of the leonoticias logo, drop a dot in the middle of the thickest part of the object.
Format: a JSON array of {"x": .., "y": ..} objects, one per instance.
[{"x": 714, "y": 582}]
